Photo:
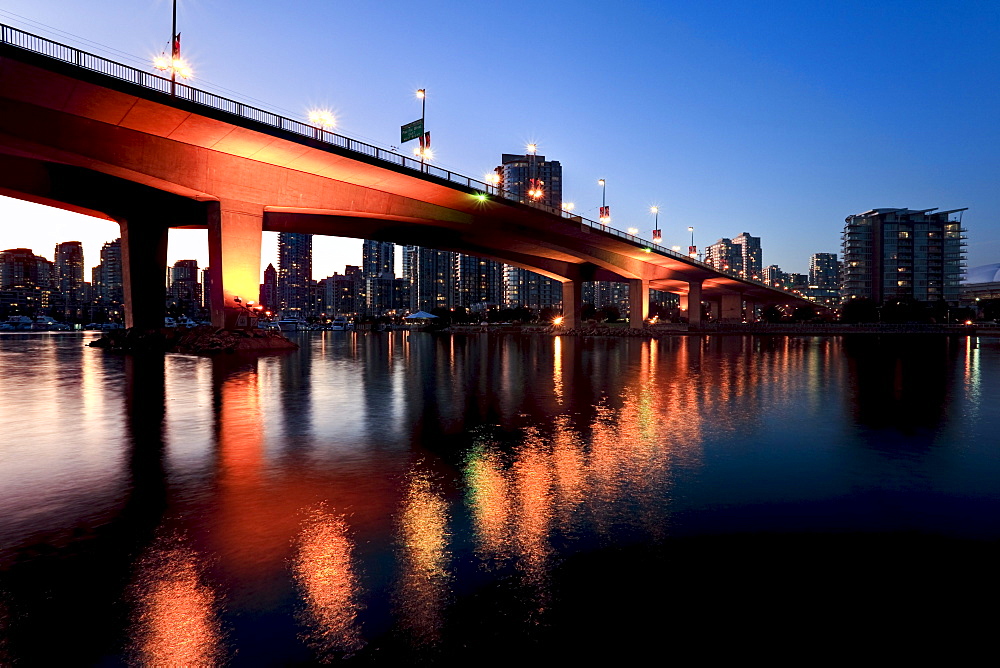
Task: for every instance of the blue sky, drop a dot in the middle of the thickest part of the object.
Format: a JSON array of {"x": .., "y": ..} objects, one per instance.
[{"x": 777, "y": 118}]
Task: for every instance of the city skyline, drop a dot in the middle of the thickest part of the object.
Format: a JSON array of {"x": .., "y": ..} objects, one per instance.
[{"x": 813, "y": 139}]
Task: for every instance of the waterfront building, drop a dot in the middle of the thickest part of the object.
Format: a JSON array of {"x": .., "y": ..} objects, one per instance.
[
  {"x": 27, "y": 281},
  {"x": 531, "y": 290},
  {"x": 268, "y": 290},
  {"x": 533, "y": 179},
  {"x": 723, "y": 255},
  {"x": 824, "y": 271},
  {"x": 748, "y": 254},
  {"x": 431, "y": 278},
  {"x": 902, "y": 254},
  {"x": 68, "y": 280},
  {"x": 773, "y": 275},
  {"x": 294, "y": 273},
  {"x": 341, "y": 292},
  {"x": 478, "y": 282},
  {"x": 378, "y": 262},
  {"x": 108, "y": 282},
  {"x": 184, "y": 288}
]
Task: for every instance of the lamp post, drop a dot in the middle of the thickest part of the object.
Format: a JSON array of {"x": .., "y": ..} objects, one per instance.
[
  {"x": 535, "y": 184},
  {"x": 605, "y": 211},
  {"x": 692, "y": 249},
  {"x": 425, "y": 138},
  {"x": 174, "y": 63},
  {"x": 657, "y": 234}
]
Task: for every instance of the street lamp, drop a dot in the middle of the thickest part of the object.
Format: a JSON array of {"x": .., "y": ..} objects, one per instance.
[
  {"x": 692, "y": 249},
  {"x": 174, "y": 62},
  {"x": 657, "y": 234},
  {"x": 424, "y": 150},
  {"x": 605, "y": 209}
]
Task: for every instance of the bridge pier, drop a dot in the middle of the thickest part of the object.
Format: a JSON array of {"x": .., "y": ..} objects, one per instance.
[
  {"x": 638, "y": 302},
  {"x": 751, "y": 311},
  {"x": 572, "y": 298},
  {"x": 692, "y": 303},
  {"x": 144, "y": 268},
  {"x": 731, "y": 308},
  {"x": 234, "y": 238}
]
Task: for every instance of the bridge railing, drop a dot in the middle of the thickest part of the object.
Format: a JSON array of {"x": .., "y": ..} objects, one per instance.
[{"x": 83, "y": 59}]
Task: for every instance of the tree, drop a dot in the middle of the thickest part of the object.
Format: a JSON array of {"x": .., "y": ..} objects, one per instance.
[{"x": 859, "y": 310}]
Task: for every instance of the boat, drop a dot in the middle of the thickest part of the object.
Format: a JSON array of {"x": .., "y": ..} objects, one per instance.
[
  {"x": 292, "y": 324},
  {"x": 340, "y": 324}
]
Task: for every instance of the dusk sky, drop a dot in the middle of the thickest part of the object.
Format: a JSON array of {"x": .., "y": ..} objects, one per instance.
[{"x": 778, "y": 119}]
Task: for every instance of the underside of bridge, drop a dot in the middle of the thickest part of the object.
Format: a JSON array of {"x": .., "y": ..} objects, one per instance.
[{"x": 83, "y": 141}]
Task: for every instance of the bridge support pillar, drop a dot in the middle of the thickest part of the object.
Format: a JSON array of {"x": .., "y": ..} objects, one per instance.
[
  {"x": 751, "y": 311},
  {"x": 572, "y": 297},
  {"x": 638, "y": 302},
  {"x": 144, "y": 271},
  {"x": 234, "y": 236},
  {"x": 691, "y": 302},
  {"x": 732, "y": 308}
]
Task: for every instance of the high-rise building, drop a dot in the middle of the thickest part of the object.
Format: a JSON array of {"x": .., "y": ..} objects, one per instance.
[
  {"x": 722, "y": 255},
  {"x": 107, "y": 278},
  {"x": 294, "y": 273},
  {"x": 478, "y": 282},
  {"x": 342, "y": 292},
  {"x": 269, "y": 289},
  {"x": 431, "y": 278},
  {"x": 892, "y": 254},
  {"x": 378, "y": 262},
  {"x": 531, "y": 178},
  {"x": 27, "y": 281},
  {"x": 824, "y": 271},
  {"x": 773, "y": 275},
  {"x": 69, "y": 269},
  {"x": 184, "y": 288},
  {"x": 748, "y": 253},
  {"x": 529, "y": 289}
]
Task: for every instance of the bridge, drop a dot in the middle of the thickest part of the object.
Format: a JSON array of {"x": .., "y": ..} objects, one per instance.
[{"x": 90, "y": 135}]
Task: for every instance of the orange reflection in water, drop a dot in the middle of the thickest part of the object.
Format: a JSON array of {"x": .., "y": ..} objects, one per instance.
[
  {"x": 177, "y": 622},
  {"x": 324, "y": 570},
  {"x": 423, "y": 587}
]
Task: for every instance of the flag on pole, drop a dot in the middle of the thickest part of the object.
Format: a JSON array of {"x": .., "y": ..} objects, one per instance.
[{"x": 176, "y": 47}]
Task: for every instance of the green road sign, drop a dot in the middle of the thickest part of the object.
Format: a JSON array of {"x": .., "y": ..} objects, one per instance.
[{"x": 411, "y": 130}]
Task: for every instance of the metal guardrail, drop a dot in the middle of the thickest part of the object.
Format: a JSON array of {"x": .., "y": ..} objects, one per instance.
[{"x": 46, "y": 47}]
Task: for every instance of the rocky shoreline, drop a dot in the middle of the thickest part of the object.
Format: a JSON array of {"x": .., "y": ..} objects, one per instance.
[{"x": 194, "y": 341}]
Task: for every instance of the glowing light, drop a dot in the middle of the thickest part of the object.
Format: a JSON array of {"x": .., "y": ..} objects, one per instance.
[
  {"x": 654, "y": 209},
  {"x": 493, "y": 178},
  {"x": 558, "y": 320},
  {"x": 532, "y": 148},
  {"x": 324, "y": 118},
  {"x": 600, "y": 182},
  {"x": 647, "y": 250},
  {"x": 675, "y": 248},
  {"x": 633, "y": 230},
  {"x": 482, "y": 197},
  {"x": 568, "y": 206},
  {"x": 161, "y": 63},
  {"x": 421, "y": 93}
]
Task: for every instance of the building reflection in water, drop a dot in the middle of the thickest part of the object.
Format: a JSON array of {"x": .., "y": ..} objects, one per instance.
[
  {"x": 424, "y": 561},
  {"x": 324, "y": 570},
  {"x": 176, "y": 618}
]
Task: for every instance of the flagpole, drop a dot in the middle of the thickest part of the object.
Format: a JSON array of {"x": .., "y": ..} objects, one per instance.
[{"x": 173, "y": 53}]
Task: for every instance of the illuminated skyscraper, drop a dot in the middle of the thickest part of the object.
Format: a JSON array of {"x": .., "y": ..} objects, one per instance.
[{"x": 294, "y": 273}]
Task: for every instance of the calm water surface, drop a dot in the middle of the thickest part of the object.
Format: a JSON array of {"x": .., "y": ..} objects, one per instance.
[{"x": 400, "y": 499}]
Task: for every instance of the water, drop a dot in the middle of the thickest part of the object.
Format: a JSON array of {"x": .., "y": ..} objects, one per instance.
[{"x": 398, "y": 499}]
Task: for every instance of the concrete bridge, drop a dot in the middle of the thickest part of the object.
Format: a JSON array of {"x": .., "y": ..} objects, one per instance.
[{"x": 90, "y": 135}]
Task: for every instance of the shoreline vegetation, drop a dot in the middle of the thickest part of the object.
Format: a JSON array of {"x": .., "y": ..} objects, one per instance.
[{"x": 760, "y": 328}]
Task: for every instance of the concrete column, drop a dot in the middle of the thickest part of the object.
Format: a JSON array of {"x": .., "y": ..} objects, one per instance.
[
  {"x": 751, "y": 311},
  {"x": 572, "y": 306},
  {"x": 732, "y": 308},
  {"x": 144, "y": 271},
  {"x": 638, "y": 302},
  {"x": 692, "y": 302},
  {"x": 234, "y": 236}
]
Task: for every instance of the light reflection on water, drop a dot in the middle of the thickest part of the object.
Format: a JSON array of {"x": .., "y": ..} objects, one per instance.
[{"x": 364, "y": 494}]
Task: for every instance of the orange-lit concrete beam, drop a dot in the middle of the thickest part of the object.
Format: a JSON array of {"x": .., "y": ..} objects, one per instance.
[
  {"x": 731, "y": 307},
  {"x": 638, "y": 302},
  {"x": 572, "y": 296},
  {"x": 234, "y": 237}
]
